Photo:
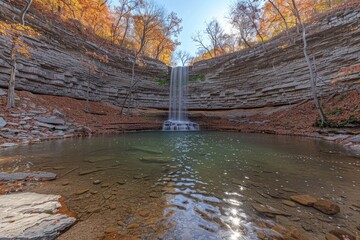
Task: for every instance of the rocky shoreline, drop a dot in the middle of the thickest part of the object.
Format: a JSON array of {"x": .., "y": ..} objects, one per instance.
[{"x": 41, "y": 118}]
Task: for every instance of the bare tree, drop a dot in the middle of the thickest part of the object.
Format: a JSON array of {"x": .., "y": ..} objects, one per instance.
[
  {"x": 282, "y": 17},
  {"x": 216, "y": 37},
  {"x": 14, "y": 33},
  {"x": 123, "y": 13},
  {"x": 148, "y": 17},
  {"x": 310, "y": 66},
  {"x": 216, "y": 34},
  {"x": 170, "y": 27},
  {"x": 250, "y": 12},
  {"x": 184, "y": 57},
  {"x": 202, "y": 46},
  {"x": 242, "y": 24},
  {"x": 24, "y": 11}
]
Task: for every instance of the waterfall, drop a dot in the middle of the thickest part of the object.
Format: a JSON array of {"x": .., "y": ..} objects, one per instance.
[{"x": 178, "y": 120}]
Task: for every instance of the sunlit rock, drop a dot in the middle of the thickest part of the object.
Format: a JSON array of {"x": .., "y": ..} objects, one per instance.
[{"x": 31, "y": 216}]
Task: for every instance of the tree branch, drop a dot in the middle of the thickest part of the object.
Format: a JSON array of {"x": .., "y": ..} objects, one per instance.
[{"x": 24, "y": 11}]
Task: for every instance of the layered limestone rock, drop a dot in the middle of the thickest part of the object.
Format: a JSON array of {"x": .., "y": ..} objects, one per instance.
[
  {"x": 272, "y": 74},
  {"x": 59, "y": 67},
  {"x": 31, "y": 216},
  {"x": 276, "y": 73}
]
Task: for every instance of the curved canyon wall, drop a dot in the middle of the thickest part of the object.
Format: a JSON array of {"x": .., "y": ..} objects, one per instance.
[
  {"x": 276, "y": 73},
  {"x": 59, "y": 67},
  {"x": 272, "y": 74}
]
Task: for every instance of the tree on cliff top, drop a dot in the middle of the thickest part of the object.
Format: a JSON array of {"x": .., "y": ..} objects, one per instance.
[
  {"x": 310, "y": 66},
  {"x": 14, "y": 34},
  {"x": 184, "y": 57}
]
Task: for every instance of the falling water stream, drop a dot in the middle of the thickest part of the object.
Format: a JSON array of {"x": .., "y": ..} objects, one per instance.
[{"x": 178, "y": 120}]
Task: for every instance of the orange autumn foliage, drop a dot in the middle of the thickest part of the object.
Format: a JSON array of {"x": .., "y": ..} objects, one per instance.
[
  {"x": 98, "y": 18},
  {"x": 15, "y": 33}
]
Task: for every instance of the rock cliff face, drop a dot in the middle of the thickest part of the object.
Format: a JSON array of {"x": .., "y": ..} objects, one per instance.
[
  {"x": 59, "y": 67},
  {"x": 276, "y": 73},
  {"x": 272, "y": 74}
]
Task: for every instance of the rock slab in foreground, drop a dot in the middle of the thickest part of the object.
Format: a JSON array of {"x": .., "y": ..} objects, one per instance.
[
  {"x": 32, "y": 216},
  {"x": 20, "y": 176}
]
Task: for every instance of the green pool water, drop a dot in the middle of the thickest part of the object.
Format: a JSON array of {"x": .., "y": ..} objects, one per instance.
[{"x": 193, "y": 185}]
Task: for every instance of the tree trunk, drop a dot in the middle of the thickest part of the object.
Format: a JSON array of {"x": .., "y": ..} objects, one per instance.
[
  {"x": 283, "y": 18},
  {"x": 11, "y": 87},
  {"x": 87, "y": 107},
  {"x": 24, "y": 11},
  {"x": 310, "y": 66},
  {"x": 129, "y": 94}
]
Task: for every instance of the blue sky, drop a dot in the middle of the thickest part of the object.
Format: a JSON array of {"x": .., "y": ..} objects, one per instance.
[{"x": 194, "y": 14}]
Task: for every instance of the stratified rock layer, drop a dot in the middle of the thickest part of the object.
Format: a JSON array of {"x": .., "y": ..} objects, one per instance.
[
  {"x": 58, "y": 67},
  {"x": 31, "y": 216},
  {"x": 272, "y": 74},
  {"x": 277, "y": 74}
]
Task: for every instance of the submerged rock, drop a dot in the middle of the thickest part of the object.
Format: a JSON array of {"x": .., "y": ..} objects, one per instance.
[
  {"x": 327, "y": 207},
  {"x": 145, "y": 150},
  {"x": 305, "y": 200},
  {"x": 342, "y": 234},
  {"x": 31, "y": 216},
  {"x": 268, "y": 210},
  {"x": 42, "y": 176},
  {"x": 288, "y": 203},
  {"x": 155, "y": 159}
]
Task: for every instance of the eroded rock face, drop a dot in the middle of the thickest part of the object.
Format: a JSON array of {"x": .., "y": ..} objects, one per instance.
[
  {"x": 31, "y": 216},
  {"x": 278, "y": 75},
  {"x": 57, "y": 68}
]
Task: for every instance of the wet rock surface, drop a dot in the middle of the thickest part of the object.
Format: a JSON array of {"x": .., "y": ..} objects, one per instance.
[
  {"x": 305, "y": 200},
  {"x": 32, "y": 216},
  {"x": 327, "y": 207},
  {"x": 21, "y": 176}
]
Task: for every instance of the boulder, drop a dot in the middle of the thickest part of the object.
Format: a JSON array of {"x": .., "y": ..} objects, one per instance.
[
  {"x": 326, "y": 206},
  {"x": 305, "y": 200},
  {"x": 43, "y": 176},
  {"x": 3, "y": 123},
  {"x": 31, "y": 216},
  {"x": 50, "y": 120}
]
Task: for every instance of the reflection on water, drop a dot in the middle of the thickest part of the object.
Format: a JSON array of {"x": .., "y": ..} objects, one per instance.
[{"x": 207, "y": 179}]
